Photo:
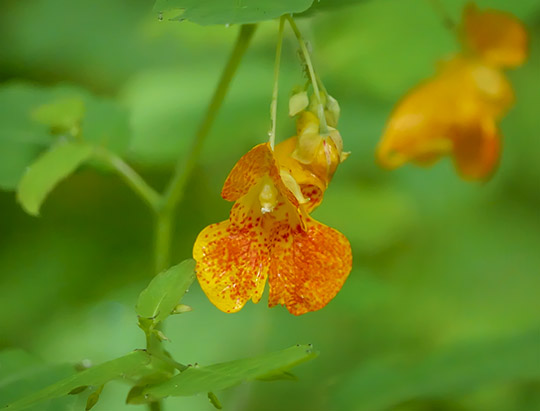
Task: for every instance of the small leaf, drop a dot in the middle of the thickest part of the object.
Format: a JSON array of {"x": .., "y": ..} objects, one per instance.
[
  {"x": 63, "y": 114},
  {"x": 232, "y": 11},
  {"x": 135, "y": 396},
  {"x": 280, "y": 375},
  {"x": 220, "y": 376},
  {"x": 93, "y": 398},
  {"x": 47, "y": 171},
  {"x": 157, "y": 301},
  {"x": 181, "y": 309},
  {"x": 78, "y": 390},
  {"x": 297, "y": 103},
  {"x": 95, "y": 376},
  {"x": 214, "y": 400}
]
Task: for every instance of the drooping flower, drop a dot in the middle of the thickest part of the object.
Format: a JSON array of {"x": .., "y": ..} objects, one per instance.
[
  {"x": 457, "y": 111},
  {"x": 269, "y": 235}
]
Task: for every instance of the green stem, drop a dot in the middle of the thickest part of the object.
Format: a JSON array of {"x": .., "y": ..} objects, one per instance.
[
  {"x": 163, "y": 237},
  {"x": 320, "y": 108},
  {"x": 273, "y": 105},
  {"x": 130, "y": 176},
  {"x": 175, "y": 189}
]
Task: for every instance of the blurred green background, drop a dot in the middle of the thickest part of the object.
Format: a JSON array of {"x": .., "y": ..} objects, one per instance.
[{"x": 441, "y": 310}]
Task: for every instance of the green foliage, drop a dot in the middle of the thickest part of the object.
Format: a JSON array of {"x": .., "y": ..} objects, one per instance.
[
  {"x": 446, "y": 273},
  {"x": 62, "y": 115},
  {"x": 20, "y": 139},
  {"x": 157, "y": 301},
  {"x": 98, "y": 375},
  {"x": 47, "y": 171},
  {"x": 451, "y": 372},
  {"x": 232, "y": 11},
  {"x": 22, "y": 374},
  {"x": 218, "y": 377},
  {"x": 326, "y": 5},
  {"x": 32, "y": 117}
]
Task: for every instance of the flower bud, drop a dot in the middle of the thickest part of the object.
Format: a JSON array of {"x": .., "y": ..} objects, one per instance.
[
  {"x": 298, "y": 102},
  {"x": 332, "y": 111}
]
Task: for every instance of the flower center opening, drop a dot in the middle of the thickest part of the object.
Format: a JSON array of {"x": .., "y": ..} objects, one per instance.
[{"x": 268, "y": 198}]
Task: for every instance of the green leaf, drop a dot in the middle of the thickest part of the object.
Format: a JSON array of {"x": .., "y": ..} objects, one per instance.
[
  {"x": 278, "y": 375},
  {"x": 93, "y": 398},
  {"x": 21, "y": 140},
  {"x": 30, "y": 115},
  {"x": 214, "y": 400},
  {"x": 157, "y": 301},
  {"x": 106, "y": 124},
  {"x": 324, "y": 5},
  {"x": 232, "y": 11},
  {"x": 218, "y": 377},
  {"x": 63, "y": 114},
  {"x": 47, "y": 171},
  {"x": 95, "y": 376}
]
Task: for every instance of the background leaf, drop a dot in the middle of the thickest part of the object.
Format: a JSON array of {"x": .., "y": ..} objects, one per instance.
[
  {"x": 165, "y": 291},
  {"x": 453, "y": 371},
  {"x": 63, "y": 114},
  {"x": 94, "y": 376},
  {"x": 218, "y": 377},
  {"x": 22, "y": 374},
  {"x": 47, "y": 171},
  {"x": 32, "y": 116},
  {"x": 232, "y": 11},
  {"x": 329, "y": 5}
]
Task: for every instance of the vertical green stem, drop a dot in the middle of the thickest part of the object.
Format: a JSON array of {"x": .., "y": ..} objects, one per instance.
[
  {"x": 307, "y": 57},
  {"x": 273, "y": 105},
  {"x": 175, "y": 189},
  {"x": 163, "y": 236}
]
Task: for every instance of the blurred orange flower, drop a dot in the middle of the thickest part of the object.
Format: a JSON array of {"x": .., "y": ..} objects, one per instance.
[
  {"x": 269, "y": 235},
  {"x": 456, "y": 112}
]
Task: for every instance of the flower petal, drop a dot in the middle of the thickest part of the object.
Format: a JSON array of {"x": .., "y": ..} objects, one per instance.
[
  {"x": 248, "y": 171},
  {"x": 498, "y": 37},
  {"x": 311, "y": 186},
  {"x": 309, "y": 267},
  {"x": 477, "y": 150},
  {"x": 233, "y": 257}
]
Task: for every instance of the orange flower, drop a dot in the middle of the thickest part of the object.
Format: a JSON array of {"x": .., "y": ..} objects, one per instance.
[
  {"x": 456, "y": 112},
  {"x": 269, "y": 235},
  {"x": 499, "y": 38}
]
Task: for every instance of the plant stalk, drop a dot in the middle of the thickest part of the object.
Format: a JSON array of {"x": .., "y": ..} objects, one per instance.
[
  {"x": 175, "y": 189},
  {"x": 130, "y": 177},
  {"x": 313, "y": 77},
  {"x": 273, "y": 105}
]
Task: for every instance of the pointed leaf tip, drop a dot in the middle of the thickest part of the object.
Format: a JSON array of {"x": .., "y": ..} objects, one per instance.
[
  {"x": 47, "y": 171},
  {"x": 164, "y": 293}
]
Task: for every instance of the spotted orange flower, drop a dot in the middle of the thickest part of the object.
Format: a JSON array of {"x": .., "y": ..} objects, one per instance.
[
  {"x": 269, "y": 235},
  {"x": 456, "y": 112}
]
